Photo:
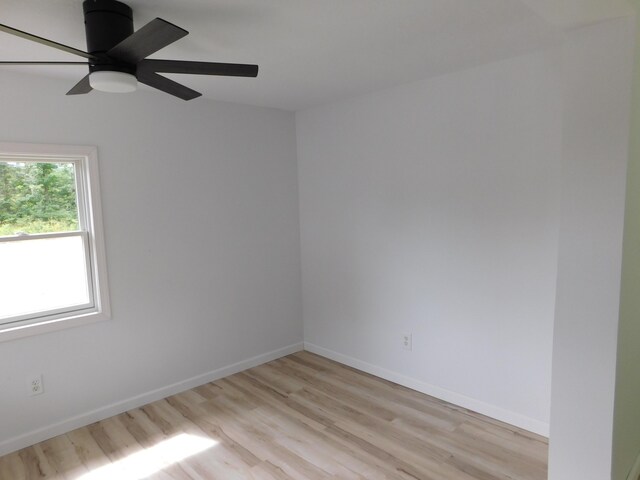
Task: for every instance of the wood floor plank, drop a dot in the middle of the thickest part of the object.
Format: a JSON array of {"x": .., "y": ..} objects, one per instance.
[
  {"x": 36, "y": 465},
  {"x": 245, "y": 428},
  {"x": 12, "y": 467},
  {"x": 301, "y": 417},
  {"x": 61, "y": 454},
  {"x": 87, "y": 449},
  {"x": 314, "y": 418}
]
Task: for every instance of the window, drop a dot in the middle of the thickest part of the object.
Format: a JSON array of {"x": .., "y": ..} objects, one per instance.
[{"x": 52, "y": 264}]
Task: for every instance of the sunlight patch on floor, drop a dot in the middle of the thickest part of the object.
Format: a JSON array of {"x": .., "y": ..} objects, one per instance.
[{"x": 142, "y": 464}]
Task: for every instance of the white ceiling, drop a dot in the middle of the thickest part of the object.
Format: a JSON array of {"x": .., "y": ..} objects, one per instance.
[{"x": 315, "y": 51}]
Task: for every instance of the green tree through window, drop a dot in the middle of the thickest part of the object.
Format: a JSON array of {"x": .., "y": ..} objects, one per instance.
[{"x": 37, "y": 197}]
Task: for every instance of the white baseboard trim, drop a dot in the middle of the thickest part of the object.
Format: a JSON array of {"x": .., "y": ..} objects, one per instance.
[
  {"x": 87, "y": 418},
  {"x": 463, "y": 401}
]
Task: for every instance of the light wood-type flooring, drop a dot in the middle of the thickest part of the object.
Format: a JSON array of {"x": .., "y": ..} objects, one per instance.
[{"x": 299, "y": 417}]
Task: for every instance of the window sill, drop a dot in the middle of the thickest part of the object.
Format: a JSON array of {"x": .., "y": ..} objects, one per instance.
[{"x": 9, "y": 332}]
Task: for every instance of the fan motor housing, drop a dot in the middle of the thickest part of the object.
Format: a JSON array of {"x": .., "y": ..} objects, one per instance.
[{"x": 106, "y": 23}]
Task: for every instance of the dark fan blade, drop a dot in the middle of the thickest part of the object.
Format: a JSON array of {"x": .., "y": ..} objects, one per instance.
[
  {"x": 44, "y": 63},
  {"x": 168, "y": 86},
  {"x": 199, "y": 68},
  {"x": 44, "y": 41},
  {"x": 149, "y": 39},
  {"x": 82, "y": 87}
]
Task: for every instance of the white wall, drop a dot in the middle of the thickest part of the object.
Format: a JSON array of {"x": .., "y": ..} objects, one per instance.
[
  {"x": 432, "y": 208},
  {"x": 598, "y": 64},
  {"x": 201, "y": 218}
]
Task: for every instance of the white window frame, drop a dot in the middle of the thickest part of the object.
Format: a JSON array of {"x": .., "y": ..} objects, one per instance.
[{"x": 85, "y": 160}]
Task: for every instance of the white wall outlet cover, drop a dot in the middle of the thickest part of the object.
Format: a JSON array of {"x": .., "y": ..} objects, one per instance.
[
  {"x": 407, "y": 341},
  {"x": 35, "y": 385}
]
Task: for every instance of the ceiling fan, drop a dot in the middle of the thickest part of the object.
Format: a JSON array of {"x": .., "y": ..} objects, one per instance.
[{"x": 117, "y": 56}]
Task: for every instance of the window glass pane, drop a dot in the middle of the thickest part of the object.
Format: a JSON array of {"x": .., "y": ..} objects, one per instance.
[
  {"x": 37, "y": 197},
  {"x": 41, "y": 275}
]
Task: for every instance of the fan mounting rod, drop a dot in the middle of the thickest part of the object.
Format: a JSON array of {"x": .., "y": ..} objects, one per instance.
[{"x": 106, "y": 24}]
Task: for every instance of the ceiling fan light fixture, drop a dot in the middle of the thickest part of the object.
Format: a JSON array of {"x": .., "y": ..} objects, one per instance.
[
  {"x": 113, "y": 82},
  {"x": 117, "y": 55}
]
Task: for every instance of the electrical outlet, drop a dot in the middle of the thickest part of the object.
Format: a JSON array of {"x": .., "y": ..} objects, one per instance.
[
  {"x": 35, "y": 385},
  {"x": 407, "y": 341}
]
